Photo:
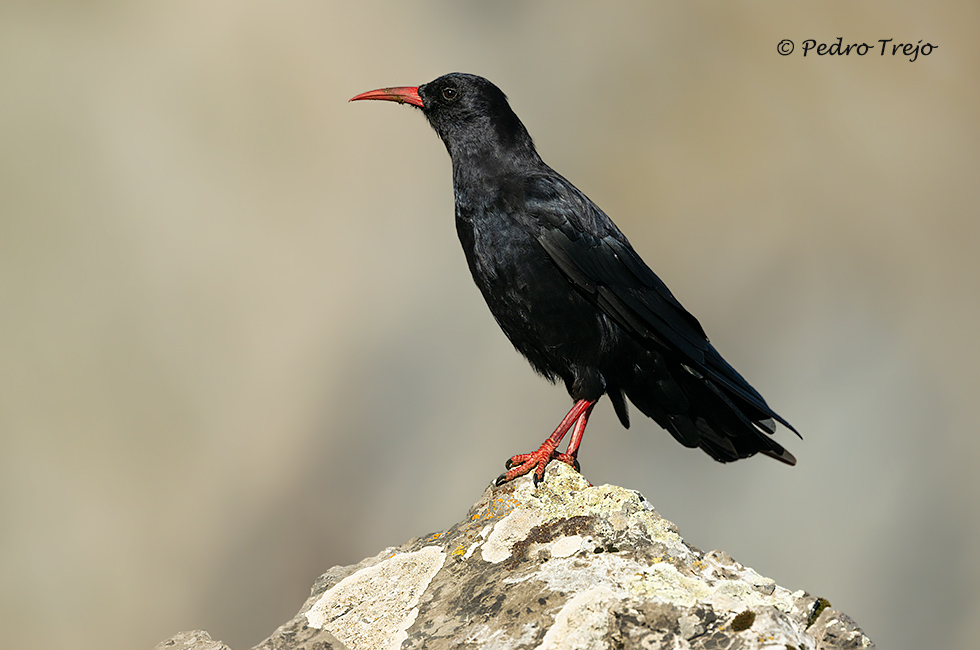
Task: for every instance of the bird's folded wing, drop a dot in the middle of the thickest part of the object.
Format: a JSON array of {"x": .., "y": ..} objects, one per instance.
[
  {"x": 604, "y": 266},
  {"x": 598, "y": 266}
]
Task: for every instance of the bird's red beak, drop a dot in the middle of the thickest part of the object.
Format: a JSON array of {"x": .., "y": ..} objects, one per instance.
[{"x": 400, "y": 94}]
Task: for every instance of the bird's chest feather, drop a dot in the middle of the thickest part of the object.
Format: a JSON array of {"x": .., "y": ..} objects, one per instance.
[
  {"x": 506, "y": 261},
  {"x": 527, "y": 294}
]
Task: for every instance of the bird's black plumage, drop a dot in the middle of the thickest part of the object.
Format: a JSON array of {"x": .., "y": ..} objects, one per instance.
[{"x": 569, "y": 291}]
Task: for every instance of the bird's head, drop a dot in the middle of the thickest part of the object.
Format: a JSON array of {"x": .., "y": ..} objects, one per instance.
[{"x": 468, "y": 112}]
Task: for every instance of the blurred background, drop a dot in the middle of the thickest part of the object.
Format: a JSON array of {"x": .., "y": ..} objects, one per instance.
[{"x": 239, "y": 343}]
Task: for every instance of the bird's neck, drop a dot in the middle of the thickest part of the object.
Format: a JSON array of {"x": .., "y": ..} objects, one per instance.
[
  {"x": 483, "y": 165},
  {"x": 487, "y": 147}
]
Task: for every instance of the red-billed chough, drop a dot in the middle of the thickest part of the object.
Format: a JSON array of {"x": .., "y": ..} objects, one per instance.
[{"x": 572, "y": 295}]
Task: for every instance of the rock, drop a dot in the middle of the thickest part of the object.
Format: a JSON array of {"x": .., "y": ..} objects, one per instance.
[
  {"x": 563, "y": 566},
  {"x": 194, "y": 640}
]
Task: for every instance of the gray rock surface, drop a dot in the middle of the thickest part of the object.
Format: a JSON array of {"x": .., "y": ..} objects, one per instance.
[
  {"x": 563, "y": 566},
  {"x": 193, "y": 640}
]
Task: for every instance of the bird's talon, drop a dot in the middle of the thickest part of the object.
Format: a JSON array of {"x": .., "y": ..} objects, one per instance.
[{"x": 500, "y": 480}]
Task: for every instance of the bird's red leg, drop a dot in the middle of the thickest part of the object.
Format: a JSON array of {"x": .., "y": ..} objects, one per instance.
[
  {"x": 571, "y": 454},
  {"x": 524, "y": 463}
]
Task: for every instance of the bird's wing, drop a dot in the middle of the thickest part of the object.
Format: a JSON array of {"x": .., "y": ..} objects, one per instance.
[{"x": 591, "y": 251}]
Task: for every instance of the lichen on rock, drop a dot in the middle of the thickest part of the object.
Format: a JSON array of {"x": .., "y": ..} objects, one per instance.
[{"x": 565, "y": 565}]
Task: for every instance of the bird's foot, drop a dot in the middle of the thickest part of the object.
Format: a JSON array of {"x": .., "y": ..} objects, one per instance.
[{"x": 521, "y": 464}]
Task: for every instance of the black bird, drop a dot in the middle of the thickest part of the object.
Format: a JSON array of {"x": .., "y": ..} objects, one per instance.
[{"x": 572, "y": 295}]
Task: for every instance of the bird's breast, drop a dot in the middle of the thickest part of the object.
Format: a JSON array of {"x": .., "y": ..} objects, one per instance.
[{"x": 547, "y": 319}]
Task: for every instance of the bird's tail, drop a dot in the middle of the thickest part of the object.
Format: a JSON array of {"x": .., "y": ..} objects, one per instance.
[{"x": 701, "y": 411}]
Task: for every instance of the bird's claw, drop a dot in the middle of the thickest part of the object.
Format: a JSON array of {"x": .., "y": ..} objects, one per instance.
[
  {"x": 521, "y": 464},
  {"x": 568, "y": 459}
]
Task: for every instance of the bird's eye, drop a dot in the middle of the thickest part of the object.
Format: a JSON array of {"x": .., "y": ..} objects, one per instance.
[{"x": 449, "y": 94}]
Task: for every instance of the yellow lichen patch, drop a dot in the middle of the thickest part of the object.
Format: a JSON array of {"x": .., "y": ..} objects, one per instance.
[{"x": 498, "y": 507}]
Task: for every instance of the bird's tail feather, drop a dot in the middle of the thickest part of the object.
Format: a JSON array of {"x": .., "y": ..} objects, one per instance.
[{"x": 698, "y": 412}]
